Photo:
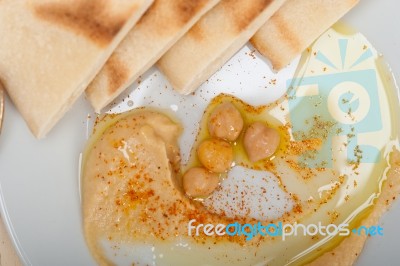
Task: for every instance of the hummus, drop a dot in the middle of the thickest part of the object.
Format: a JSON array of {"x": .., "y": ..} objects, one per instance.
[
  {"x": 128, "y": 171},
  {"x": 133, "y": 204}
]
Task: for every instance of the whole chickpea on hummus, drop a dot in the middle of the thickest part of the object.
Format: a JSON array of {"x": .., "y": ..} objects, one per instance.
[{"x": 216, "y": 150}]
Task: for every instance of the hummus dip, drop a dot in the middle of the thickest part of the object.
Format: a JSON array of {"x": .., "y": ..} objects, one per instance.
[
  {"x": 132, "y": 202},
  {"x": 126, "y": 168},
  {"x": 135, "y": 213}
]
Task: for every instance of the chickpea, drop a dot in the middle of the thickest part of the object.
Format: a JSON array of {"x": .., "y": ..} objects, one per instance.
[
  {"x": 260, "y": 141},
  {"x": 216, "y": 155},
  {"x": 198, "y": 182},
  {"x": 225, "y": 122}
]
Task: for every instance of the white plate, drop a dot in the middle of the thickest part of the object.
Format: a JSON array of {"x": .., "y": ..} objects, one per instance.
[{"x": 39, "y": 179}]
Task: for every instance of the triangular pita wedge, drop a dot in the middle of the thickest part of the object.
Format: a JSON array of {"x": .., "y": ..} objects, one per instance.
[
  {"x": 51, "y": 49},
  {"x": 214, "y": 39},
  {"x": 295, "y": 26},
  {"x": 159, "y": 28}
]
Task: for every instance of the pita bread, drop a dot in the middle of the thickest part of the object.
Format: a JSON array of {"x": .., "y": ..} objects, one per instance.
[
  {"x": 295, "y": 26},
  {"x": 160, "y": 27},
  {"x": 347, "y": 252},
  {"x": 214, "y": 39},
  {"x": 51, "y": 49}
]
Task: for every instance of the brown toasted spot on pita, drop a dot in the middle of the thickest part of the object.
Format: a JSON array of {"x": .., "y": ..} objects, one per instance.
[
  {"x": 89, "y": 18},
  {"x": 157, "y": 18},
  {"x": 197, "y": 32},
  {"x": 117, "y": 73},
  {"x": 244, "y": 16},
  {"x": 282, "y": 31},
  {"x": 157, "y": 4},
  {"x": 186, "y": 9},
  {"x": 286, "y": 32},
  {"x": 179, "y": 12}
]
